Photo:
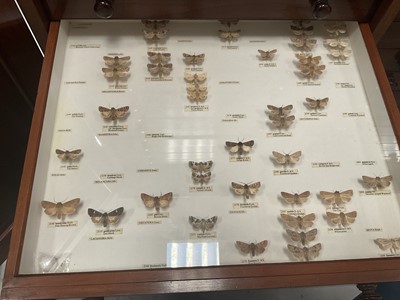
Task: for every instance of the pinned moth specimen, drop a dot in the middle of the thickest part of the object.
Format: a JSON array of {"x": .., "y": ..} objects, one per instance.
[
  {"x": 377, "y": 182},
  {"x": 155, "y": 34},
  {"x": 203, "y": 224},
  {"x": 116, "y": 72},
  {"x": 113, "y": 113},
  {"x": 201, "y": 166},
  {"x": 195, "y": 78},
  {"x": 116, "y": 60},
  {"x": 308, "y": 59},
  {"x": 252, "y": 248},
  {"x": 197, "y": 95},
  {"x": 239, "y": 147},
  {"x": 105, "y": 218},
  {"x": 337, "y": 43},
  {"x": 302, "y": 237},
  {"x": 68, "y": 155},
  {"x": 303, "y": 43},
  {"x": 311, "y": 71},
  {"x": 158, "y": 57},
  {"x": 247, "y": 189},
  {"x": 282, "y": 121},
  {"x": 287, "y": 159},
  {"x": 317, "y": 103},
  {"x": 229, "y": 23},
  {"x": 60, "y": 209},
  {"x": 201, "y": 177},
  {"x": 193, "y": 59},
  {"x": 342, "y": 218},
  {"x": 296, "y": 198},
  {"x": 196, "y": 87},
  {"x": 155, "y": 24},
  {"x": 299, "y": 29},
  {"x": 299, "y": 222},
  {"x": 341, "y": 54},
  {"x": 336, "y": 28},
  {"x": 385, "y": 244},
  {"x": 305, "y": 253},
  {"x": 280, "y": 111},
  {"x": 229, "y": 35},
  {"x": 156, "y": 202},
  {"x": 267, "y": 55},
  {"x": 159, "y": 69},
  {"x": 337, "y": 197}
]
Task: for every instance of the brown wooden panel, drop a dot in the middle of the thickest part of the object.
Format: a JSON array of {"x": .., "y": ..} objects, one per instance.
[
  {"x": 391, "y": 39},
  {"x": 384, "y": 17},
  {"x": 361, "y": 10}
]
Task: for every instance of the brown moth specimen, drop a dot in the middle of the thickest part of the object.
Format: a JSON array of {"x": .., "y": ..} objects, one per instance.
[
  {"x": 116, "y": 72},
  {"x": 337, "y": 43},
  {"x": 195, "y": 78},
  {"x": 280, "y": 111},
  {"x": 301, "y": 30},
  {"x": 201, "y": 177},
  {"x": 195, "y": 87},
  {"x": 337, "y": 197},
  {"x": 311, "y": 71},
  {"x": 287, "y": 159},
  {"x": 296, "y": 198},
  {"x": 198, "y": 96},
  {"x": 154, "y": 24},
  {"x": 252, "y": 248},
  {"x": 155, "y": 34},
  {"x": 302, "y": 237},
  {"x": 282, "y": 121},
  {"x": 377, "y": 182},
  {"x": 68, "y": 155},
  {"x": 342, "y": 218},
  {"x": 159, "y": 69},
  {"x": 105, "y": 218},
  {"x": 267, "y": 55},
  {"x": 156, "y": 202},
  {"x": 116, "y": 60},
  {"x": 385, "y": 244},
  {"x": 317, "y": 103},
  {"x": 200, "y": 166},
  {"x": 203, "y": 224},
  {"x": 247, "y": 189},
  {"x": 305, "y": 253},
  {"x": 336, "y": 28},
  {"x": 60, "y": 209},
  {"x": 239, "y": 147},
  {"x": 158, "y": 57},
  {"x": 193, "y": 59},
  {"x": 341, "y": 54},
  {"x": 229, "y": 22},
  {"x": 229, "y": 35},
  {"x": 299, "y": 222},
  {"x": 113, "y": 113},
  {"x": 308, "y": 59},
  {"x": 303, "y": 43}
]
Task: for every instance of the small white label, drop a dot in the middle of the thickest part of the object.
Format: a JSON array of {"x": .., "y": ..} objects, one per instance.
[
  {"x": 115, "y": 128},
  {"x": 267, "y": 65},
  {"x": 294, "y": 212},
  {"x": 205, "y": 235},
  {"x": 328, "y": 164},
  {"x": 229, "y": 47},
  {"x": 316, "y": 114},
  {"x": 339, "y": 63},
  {"x": 150, "y": 222},
  {"x": 309, "y": 119},
  {"x": 353, "y": 114},
  {"x": 366, "y": 163},
  {"x": 69, "y": 167},
  {"x": 62, "y": 224},
  {"x": 155, "y": 79},
  {"x": 278, "y": 134},
  {"x": 308, "y": 83},
  {"x": 375, "y": 193},
  {"x": 253, "y": 261},
  {"x": 194, "y": 108},
  {"x": 375, "y": 229},
  {"x": 340, "y": 230},
  {"x": 84, "y": 46},
  {"x": 194, "y": 69},
  {"x": 158, "y": 135},
  {"x": 158, "y": 215},
  {"x": 75, "y": 115},
  {"x": 106, "y": 232},
  {"x": 157, "y": 48},
  {"x": 237, "y": 211},
  {"x": 147, "y": 170},
  {"x": 344, "y": 85},
  {"x": 198, "y": 189},
  {"x": 118, "y": 86},
  {"x": 245, "y": 205},
  {"x": 154, "y": 266},
  {"x": 240, "y": 158},
  {"x": 286, "y": 172},
  {"x": 229, "y": 82}
]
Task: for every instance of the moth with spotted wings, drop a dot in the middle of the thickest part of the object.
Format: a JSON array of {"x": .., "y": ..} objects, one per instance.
[
  {"x": 229, "y": 35},
  {"x": 116, "y": 72},
  {"x": 114, "y": 61},
  {"x": 247, "y": 189},
  {"x": 201, "y": 177},
  {"x": 105, "y": 218},
  {"x": 159, "y": 69},
  {"x": 200, "y": 166},
  {"x": 267, "y": 55},
  {"x": 113, "y": 113},
  {"x": 280, "y": 111},
  {"x": 239, "y": 147},
  {"x": 203, "y": 224},
  {"x": 66, "y": 155},
  {"x": 157, "y": 57},
  {"x": 193, "y": 59}
]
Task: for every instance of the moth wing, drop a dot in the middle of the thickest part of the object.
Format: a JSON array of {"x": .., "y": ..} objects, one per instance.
[
  {"x": 108, "y": 72},
  {"x": 371, "y": 182},
  {"x": 323, "y": 102},
  {"x": 335, "y": 52},
  {"x": 351, "y": 216},
  {"x": 238, "y": 188},
  {"x": 254, "y": 187},
  {"x": 108, "y": 60},
  {"x": 224, "y": 34},
  {"x": 296, "y": 251},
  {"x": 310, "y": 43},
  {"x": 384, "y": 244},
  {"x": 327, "y": 196},
  {"x": 385, "y": 181},
  {"x": 61, "y": 154},
  {"x": 334, "y": 218},
  {"x": 346, "y": 53},
  {"x": 290, "y": 198},
  {"x": 243, "y": 247},
  {"x": 294, "y": 236},
  {"x": 196, "y": 223},
  {"x": 346, "y": 195},
  {"x": 311, "y": 235},
  {"x": 74, "y": 154},
  {"x": 199, "y": 58},
  {"x": 122, "y": 71},
  {"x": 154, "y": 69},
  {"x": 280, "y": 158},
  {"x": 209, "y": 224},
  {"x": 165, "y": 199},
  {"x": 295, "y": 157},
  {"x": 286, "y": 109},
  {"x": 303, "y": 197},
  {"x": 113, "y": 216},
  {"x": 235, "y": 34},
  {"x": 122, "y": 111},
  {"x": 233, "y": 147},
  {"x": 344, "y": 42},
  {"x": 70, "y": 206},
  {"x": 189, "y": 77},
  {"x": 96, "y": 216},
  {"x": 161, "y": 34},
  {"x": 246, "y": 146},
  {"x": 313, "y": 251},
  {"x": 105, "y": 112},
  {"x": 274, "y": 110},
  {"x": 332, "y": 42},
  {"x": 166, "y": 69},
  {"x": 263, "y": 54},
  {"x": 260, "y": 247},
  {"x": 298, "y": 42},
  {"x": 124, "y": 60},
  {"x": 148, "y": 200},
  {"x": 307, "y": 220},
  {"x": 50, "y": 208},
  {"x": 290, "y": 220}
]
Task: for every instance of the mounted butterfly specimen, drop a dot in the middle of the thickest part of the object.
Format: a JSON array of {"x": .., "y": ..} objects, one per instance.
[
  {"x": 201, "y": 166},
  {"x": 280, "y": 111},
  {"x": 192, "y": 59},
  {"x": 385, "y": 244},
  {"x": 157, "y": 57},
  {"x": 113, "y": 113},
  {"x": 68, "y": 155},
  {"x": 201, "y": 177},
  {"x": 159, "y": 69},
  {"x": 296, "y": 198},
  {"x": 116, "y": 60},
  {"x": 308, "y": 59},
  {"x": 203, "y": 224},
  {"x": 60, "y": 209},
  {"x": 195, "y": 78},
  {"x": 342, "y": 218},
  {"x": 305, "y": 253},
  {"x": 157, "y": 202},
  {"x": 302, "y": 237},
  {"x": 155, "y": 30},
  {"x": 247, "y": 189},
  {"x": 154, "y": 24},
  {"x": 317, "y": 103},
  {"x": 239, "y": 147},
  {"x": 337, "y": 197},
  {"x": 377, "y": 182},
  {"x": 229, "y": 35},
  {"x": 267, "y": 55},
  {"x": 252, "y": 248},
  {"x": 311, "y": 71},
  {"x": 105, "y": 218},
  {"x": 116, "y": 72},
  {"x": 287, "y": 159},
  {"x": 298, "y": 222},
  {"x": 341, "y": 54},
  {"x": 282, "y": 121},
  {"x": 197, "y": 95},
  {"x": 303, "y": 43},
  {"x": 337, "y": 43}
]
